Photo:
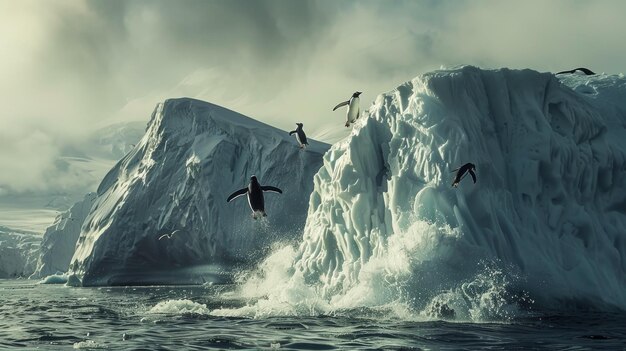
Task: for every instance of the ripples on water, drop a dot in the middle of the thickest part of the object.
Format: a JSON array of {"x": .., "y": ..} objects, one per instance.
[{"x": 135, "y": 318}]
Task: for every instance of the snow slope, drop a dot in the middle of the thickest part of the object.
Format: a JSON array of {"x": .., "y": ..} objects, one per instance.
[
  {"x": 59, "y": 240},
  {"x": 176, "y": 180},
  {"x": 544, "y": 223},
  {"x": 18, "y": 249}
]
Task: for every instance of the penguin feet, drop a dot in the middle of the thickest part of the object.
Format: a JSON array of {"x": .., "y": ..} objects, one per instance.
[{"x": 347, "y": 124}]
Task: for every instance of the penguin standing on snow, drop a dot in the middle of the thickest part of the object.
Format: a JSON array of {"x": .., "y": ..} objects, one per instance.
[
  {"x": 254, "y": 191},
  {"x": 300, "y": 136},
  {"x": 462, "y": 171},
  {"x": 353, "y": 108}
]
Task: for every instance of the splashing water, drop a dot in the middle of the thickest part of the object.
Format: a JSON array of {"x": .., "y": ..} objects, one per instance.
[{"x": 408, "y": 279}]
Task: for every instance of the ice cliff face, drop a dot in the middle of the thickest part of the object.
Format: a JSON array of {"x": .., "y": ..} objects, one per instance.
[
  {"x": 59, "y": 240},
  {"x": 18, "y": 250},
  {"x": 549, "y": 206},
  {"x": 176, "y": 181}
]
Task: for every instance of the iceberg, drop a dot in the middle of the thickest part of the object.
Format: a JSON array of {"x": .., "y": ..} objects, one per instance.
[
  {"x": 18, "y": 250},
  {"x": 59, "y": 240},
  {"x": 160, "y": 215},
  {"x": 543, "y": 225}
]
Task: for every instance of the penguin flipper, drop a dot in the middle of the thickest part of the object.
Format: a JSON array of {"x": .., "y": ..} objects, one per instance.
[
  {"x": 271, "y": 188},
  {"x": 292, "y": 132},
  {"x": 236, "y": 194},
  {"x": 473, "y": 175},
  {"x": 582, "y": 69},
  {"x": 585, "y": 71},
  {"x": 341, "y": 104}
]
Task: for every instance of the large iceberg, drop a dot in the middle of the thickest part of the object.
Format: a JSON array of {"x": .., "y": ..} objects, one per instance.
[
  {"x": 59, "y": 240},
  {"x": 543, "y": 225},
  {"x": 175, "y": 181}
]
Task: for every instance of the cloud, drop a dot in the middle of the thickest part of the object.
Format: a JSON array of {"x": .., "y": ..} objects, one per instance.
[{"x": 68, "y": 67}]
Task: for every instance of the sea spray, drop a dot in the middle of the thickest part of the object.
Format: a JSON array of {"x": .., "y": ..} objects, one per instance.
[{"x": 393, "y": 284}]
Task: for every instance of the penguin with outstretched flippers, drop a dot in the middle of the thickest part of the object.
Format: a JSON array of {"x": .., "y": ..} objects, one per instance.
[
  {"x": 586, "y": 71},
  {"x": 300, "y": 136},
  {"x": 353, "y": 108},
  {"x": 462, "y": 171},
  {"x": 254, "y": 191}
]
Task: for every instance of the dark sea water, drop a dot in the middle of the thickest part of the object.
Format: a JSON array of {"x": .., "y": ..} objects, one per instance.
[{"x": 55, "y": 317}]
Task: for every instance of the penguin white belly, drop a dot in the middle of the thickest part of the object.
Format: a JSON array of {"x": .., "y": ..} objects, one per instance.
[{"x": 353, "y": 110}]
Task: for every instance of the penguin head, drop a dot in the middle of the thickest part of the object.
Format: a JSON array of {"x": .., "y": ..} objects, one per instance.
[
  {"x": 356, "y": 94},
  {"x": 300, "y": 125},
  {"x": 253, "y": 179}
]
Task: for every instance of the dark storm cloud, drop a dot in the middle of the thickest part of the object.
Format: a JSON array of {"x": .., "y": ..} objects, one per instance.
[
  {"x": 169, "y": 38},
  {"x": 70, "y": 65}
]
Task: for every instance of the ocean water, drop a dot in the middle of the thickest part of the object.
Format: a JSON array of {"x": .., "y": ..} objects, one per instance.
[{"x": 56, "y": 317}]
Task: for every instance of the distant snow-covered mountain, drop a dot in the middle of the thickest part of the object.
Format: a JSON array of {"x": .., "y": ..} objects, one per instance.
[
  {"x": 59, "y": 240},
  {"x": 18, "y": 252},
  {"x": 81, "y": 166}
]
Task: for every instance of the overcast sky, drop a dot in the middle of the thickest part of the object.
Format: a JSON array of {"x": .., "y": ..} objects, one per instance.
[{"x": 68, "y": 66}]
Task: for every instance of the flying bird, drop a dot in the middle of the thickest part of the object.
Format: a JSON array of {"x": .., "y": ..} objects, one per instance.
[{"x": 168, "y": 236}]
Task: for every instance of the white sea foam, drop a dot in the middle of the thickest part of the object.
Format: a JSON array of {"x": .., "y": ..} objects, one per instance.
[
  {"x": 54, "y": 279},
  {"x": 89, "y": 345},
  {"x": 178, "y": 308}
]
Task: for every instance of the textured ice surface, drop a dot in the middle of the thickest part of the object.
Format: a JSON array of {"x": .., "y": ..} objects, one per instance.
[
  {"x": 59, "y": 240},
  {"x": 543, "y": 225},
  {"x": 176, "y": 180},
  {"x": 549, "y": 204},
  {"x": 18, "y": 252}
]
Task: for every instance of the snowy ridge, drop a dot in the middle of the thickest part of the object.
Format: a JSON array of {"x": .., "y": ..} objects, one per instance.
[
  {"x": 544, "y": 222},
  {"x": 176, "y": 181},
  {"x": 59, "y": 240}
]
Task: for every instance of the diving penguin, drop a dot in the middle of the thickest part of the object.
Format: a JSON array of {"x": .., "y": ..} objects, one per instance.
[
  {"x": 462, "y": 171},
  {"x": 353, "y": 108},
  {"x": 586, "y": 71},
  {"x": 300, "y": 136},
  {"x": 254, "y": 191}
]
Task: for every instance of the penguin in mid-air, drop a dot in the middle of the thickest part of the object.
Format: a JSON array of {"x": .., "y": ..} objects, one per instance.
[
  {"x": 353, "y": 108},
  {"x": 586, "y": 71},
  {"x": 462, "y": 171},
  {"x": 254, "y": 191},
  {"x": 300, "y": 136}
]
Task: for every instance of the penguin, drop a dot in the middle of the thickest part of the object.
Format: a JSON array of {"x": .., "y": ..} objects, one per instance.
[
  {"x": 586, "y": 71},
  {"x": 461, "y": 173},
  {"x": 353, "y": 108},
  {"x": 254, "y": 191},
  {"x": 300, "y": 136}
]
